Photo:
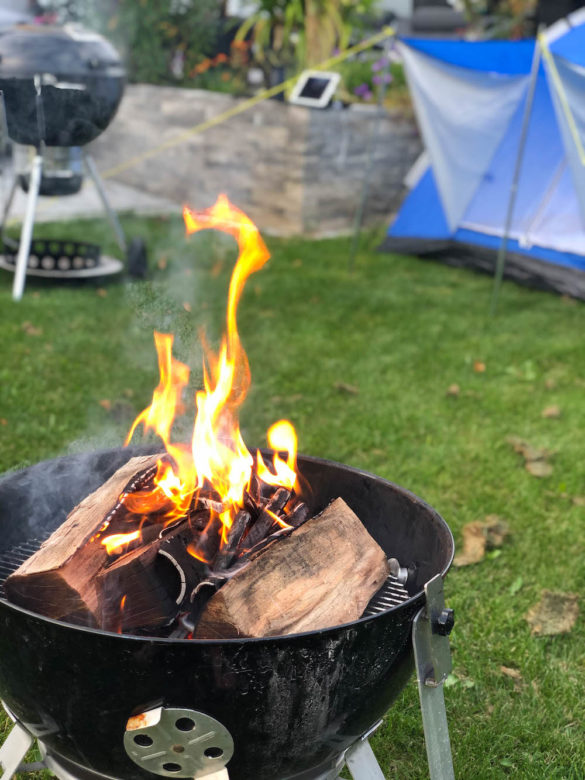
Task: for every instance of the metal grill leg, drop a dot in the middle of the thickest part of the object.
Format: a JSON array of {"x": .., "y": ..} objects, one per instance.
[
  {"x": 110, "y": 213},
  {"x": 433, "y": 663},
  {"x": 27, "y": 227},
  {"x": 13, "y": 751},
  {"x": 362, "y": 763}
]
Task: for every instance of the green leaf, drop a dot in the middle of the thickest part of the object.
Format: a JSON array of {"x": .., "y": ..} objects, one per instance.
[{"x": 516, "y": 586}]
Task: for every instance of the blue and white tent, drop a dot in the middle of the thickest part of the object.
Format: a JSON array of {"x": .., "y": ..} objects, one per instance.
[{"x": 472, "y": 100}]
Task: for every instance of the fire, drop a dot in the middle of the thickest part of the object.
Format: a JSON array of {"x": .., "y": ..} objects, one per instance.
[
  {"x": 217, "y": 455},
  {"x": 115, "y": 542}
]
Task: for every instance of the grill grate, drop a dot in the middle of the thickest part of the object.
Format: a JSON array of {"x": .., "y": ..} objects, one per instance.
[
  {"x": 391, "y": 594},
  {"x": 11, "y": 559}
]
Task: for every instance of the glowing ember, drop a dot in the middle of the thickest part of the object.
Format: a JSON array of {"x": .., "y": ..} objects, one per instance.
[{"x": 218, "y": 459}]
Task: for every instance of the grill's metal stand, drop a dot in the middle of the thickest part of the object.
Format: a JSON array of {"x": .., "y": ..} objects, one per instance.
[
  {"x": 110, "y": 265},
  {"x": 431, "y": 629}
]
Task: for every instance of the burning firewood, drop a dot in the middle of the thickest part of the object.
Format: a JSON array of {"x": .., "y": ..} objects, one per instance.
[
  {"x": 297, "y": 585},
  {"x": 111, "y": 568},
  {"x": 60, "y": 579},
  {"x": 205, "y": 520}
]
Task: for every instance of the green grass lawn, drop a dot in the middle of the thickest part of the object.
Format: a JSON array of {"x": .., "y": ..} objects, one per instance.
[{"x": 78, "y": 362}]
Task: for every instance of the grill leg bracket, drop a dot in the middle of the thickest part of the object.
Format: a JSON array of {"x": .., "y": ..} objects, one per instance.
[
  {"x": 432, "y": 655},
  {"x": 13, "y": 751}
]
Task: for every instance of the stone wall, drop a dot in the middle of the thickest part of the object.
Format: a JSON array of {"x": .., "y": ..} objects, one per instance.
[{"x": 293, "y": 170}]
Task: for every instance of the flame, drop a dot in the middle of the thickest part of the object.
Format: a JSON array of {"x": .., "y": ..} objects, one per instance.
[
  {"x": 114, "y": 542},
  {"x": 218, "y": 456}
]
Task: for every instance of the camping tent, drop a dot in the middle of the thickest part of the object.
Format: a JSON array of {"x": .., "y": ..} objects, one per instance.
[{"x": 503, "y": 124}]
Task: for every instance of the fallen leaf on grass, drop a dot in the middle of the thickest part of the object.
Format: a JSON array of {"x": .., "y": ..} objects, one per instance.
[
  {"x": 453, "y": 390},
  {"x": 555, "y": 613},
  {"x": 3, "y": 421},
  {"x": 535, "y": 459},
  {"x": 106, "y": 404},
  {"x": 187, "y": 306},
  {"x": 478, "y": 366},
  {"x": 458, "y": 679},
  {"x": 516, "y": 586},
  {"x": 515, "y": 675},
  {"x": 552, "y": 412},
  {"x": 496, "y": 529},
  {"x": 30, "y": 329},
  {"x": 478, "y": 536},
  {"x": 538, "y": 468},
  {"x": 101, "y": 292},
  {"x": 343, "y": 387},
  {"x": 578, "y": 500},
  {"x": 474, "y": 544},
  {"x": 509, "y": 671}
]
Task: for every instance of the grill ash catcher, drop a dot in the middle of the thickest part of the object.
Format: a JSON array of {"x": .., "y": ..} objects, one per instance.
[
  {"x": 60, "y": 87},
  {"x": 297, "y": 707}
]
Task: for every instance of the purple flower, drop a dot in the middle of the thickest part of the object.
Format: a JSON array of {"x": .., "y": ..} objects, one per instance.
[
  {"x": 382, "y": 78},
  {"x": 362, "y": 90},
  {"x": 380, "y": 64}
]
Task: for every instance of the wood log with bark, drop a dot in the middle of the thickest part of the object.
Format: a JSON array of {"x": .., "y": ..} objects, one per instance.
[
  {"x": 61, "y": 579},
  {"x": 271, "y": 572},
  {"x": 322, "y": 575}
]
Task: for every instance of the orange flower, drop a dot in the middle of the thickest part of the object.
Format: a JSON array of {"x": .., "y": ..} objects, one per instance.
[{"x": 221, "y": 57}]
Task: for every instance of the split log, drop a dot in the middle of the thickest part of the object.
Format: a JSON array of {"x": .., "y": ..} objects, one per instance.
[
  {"x": 322, "y": 575},
  {"x": 60, "y": 580}
]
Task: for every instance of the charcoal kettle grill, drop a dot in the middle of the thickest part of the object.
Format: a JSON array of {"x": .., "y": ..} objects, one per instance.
[
  {"x": 297, "y": 707},
  {"x": 61, "y": 87}
]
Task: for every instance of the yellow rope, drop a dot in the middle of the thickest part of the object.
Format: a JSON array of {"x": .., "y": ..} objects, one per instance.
[
  {"x": 562, "y": 95},
  {"x": 241, "y": 107}
]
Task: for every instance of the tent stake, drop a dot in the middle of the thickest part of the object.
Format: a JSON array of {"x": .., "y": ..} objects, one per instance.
[{"x": 501, "y": 258}]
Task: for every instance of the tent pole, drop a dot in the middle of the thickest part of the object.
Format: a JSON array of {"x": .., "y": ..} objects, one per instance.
[{"x": 501, "y": 258}]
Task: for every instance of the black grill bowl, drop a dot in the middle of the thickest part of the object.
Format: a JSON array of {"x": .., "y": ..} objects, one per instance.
[
  {"x": 291, "y": 703},
  {"x": 82, "y": 82}
]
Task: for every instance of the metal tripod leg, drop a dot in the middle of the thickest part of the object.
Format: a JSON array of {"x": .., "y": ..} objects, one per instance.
[
  {"x": 362, "y": 763},
  {"x": 110, "y": 213},
  {"x": 27, "y": 227},
  {"x": 7, "y": 207},
  {"x": 433, "y": 663},
  {"x": 14, "y": 750}
]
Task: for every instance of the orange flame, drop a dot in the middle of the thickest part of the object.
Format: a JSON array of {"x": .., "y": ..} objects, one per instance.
[
  {"x": 218, "y": 455},
  {"x": 115, "y": 542}
]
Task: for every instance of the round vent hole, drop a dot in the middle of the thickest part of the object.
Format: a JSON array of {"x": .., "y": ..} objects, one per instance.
[
  {"x": 185, "y": 724},
  {"x": 214, "y": 752},
  {"x": 170, "y": 767},
  {"x": 143, "y": 740}
]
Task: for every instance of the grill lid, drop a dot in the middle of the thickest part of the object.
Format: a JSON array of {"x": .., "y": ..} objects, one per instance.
[{"x": 66, "y": 52}]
